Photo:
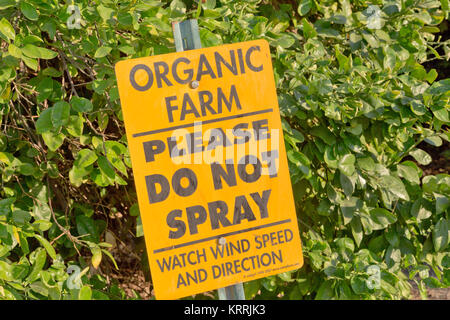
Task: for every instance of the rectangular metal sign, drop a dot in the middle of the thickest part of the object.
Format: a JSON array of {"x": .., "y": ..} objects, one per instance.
[{"x": 210, "y": 168}]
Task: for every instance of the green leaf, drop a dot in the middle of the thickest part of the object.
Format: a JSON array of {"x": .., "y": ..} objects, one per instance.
[
  {"x": 429, "y": 184},
  {"x": 357, "y": 230},
  {"x": 358, "y": 285},
  {"x": 85, "y": 293},
  {"x": 344, "y": 62},
  {"x": 347, "y": 183},
  {"x": 418, "y": 108},
  {"x": 431, "y": 76},
  {"x": 21, "y": 217},
  {"x": 134, "y": 210},
  {"x": 77, "y": 174},
  {"x": 308, "y": 29},
  {"x": 106, "y": 167},
  {"x": 4, "y": 4},
  {"x": 395, "y": 186},
  {"x": 106, "y": 252},
  {"x": 102, "y": 52},
  {"x": 445, "y": 5},
  {"x": 304, "y": 7},
  {"x": 366, "y": 164},
  {"x": 389, "y": 59},
  {"x": 85, "y": 157},
  {"x": 40, "y": 257},
  {"x": 31, "y": 63},
  {"x": 435, "y": 141},
  {"x": 14, "y": 51},
  {"x": 50, "y": 250},
  {"x": 87, "y": 228},
  {"x": 285, "y": 41},
  {"x": 421, "y": 209},
  {"x": 60, "y": 114},
  {"x": 105, "y": 13},
  {"x": 44, "y": 88},
  {"x": 325, "y": 291},
  {"x": 6, "y": 271},
  {"x": 441, "y": 235},
  {"x": 349, "y": 208},
  {"x": 324, "y": 134},
  {"x": 440, "y": 113},
  {"x": 330, "y": 158},
  {"x": 301, "y": 162},
  {"x": 42, "y": 211},
  {"x": 46, "y": 54},
  {"x": 96, "y": 256},
  {"x": 442, "y": 202},
  {"x": 408, "y": 173},
  {"x": 75, "y": 125},
  {"x": 209, "y": 39},
  {"x": 251, "y": 288},
  {"x": 81, "y": 104},
  {"x": 29, "y": 11},
  {"x": 421, "y": 156},
  {"x": 347, "y": 164},
  {"x": 382, "y": 218},
  {"x": 31, "y": 51},
  {"x": 6, "y": 30},
  {"x": 177, "y": 8},
  {"x": 53, "y": 140},
  {"x": 44, "y": 122},
  {"x": 139, "y": 227}
]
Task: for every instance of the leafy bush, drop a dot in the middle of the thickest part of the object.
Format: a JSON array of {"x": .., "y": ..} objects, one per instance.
[{"x": 357, "y": 105}]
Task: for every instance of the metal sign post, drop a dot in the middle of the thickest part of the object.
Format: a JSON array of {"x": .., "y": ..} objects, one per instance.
[{"x": 187, "y": 37}]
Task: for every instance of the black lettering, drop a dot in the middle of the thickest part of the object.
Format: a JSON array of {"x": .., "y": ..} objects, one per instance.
[
  {"x": 195, "y": 215},
  {"x": 203, "y": 62},
  {"x": 218, "y": 172},
  {"x": 241, "y": 61},
  {"x": 242, "y": 168},
  {"x": 151, "y": 148},
  {"x": 248, "y": 61},
  {"x": 220, "y": 60},
  {"x": 217, "y": 212},
  {"x": 153, "y": 195},
  {"x": 206, "y": 104},
  {"x": 291, "y": 235},
  {"x": 188, "y": 72},
  {"x": 173, "y": 148},
  {"x": 242, "y": 210},
  {"x": 228, "y": 103},
  {"x": 133, "y": 80},
  {"x": 262, "y": 202},
  {"x": 184, "y": 110},
  {"x": 161, "y": 75},
  {"x": 176, "y": 182},
  {"x": 176, "y": 224},
  {"x": 170, "y": 107}
]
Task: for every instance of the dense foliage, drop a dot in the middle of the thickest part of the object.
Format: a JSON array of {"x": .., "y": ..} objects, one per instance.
[{"x": 357, "y": 104}]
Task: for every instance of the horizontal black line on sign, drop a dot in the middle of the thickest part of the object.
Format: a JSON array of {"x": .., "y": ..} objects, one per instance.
[
  {"x": 186, "y": 244},
  {"x": 188, "y": 125}
]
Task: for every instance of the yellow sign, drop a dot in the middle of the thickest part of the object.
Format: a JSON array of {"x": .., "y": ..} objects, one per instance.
[{"x": 209, "y": 163}]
